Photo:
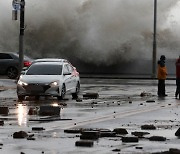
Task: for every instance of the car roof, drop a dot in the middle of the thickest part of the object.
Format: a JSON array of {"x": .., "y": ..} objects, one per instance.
[
  {"x": 48, "y": 63},
  {"x": 51, "y": 60}
]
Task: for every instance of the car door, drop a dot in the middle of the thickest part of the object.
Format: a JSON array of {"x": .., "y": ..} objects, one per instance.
[
  {"x": 73, "y": 77},
  {"x": 5, "y": 61},
  {"x": 67, "y": 77}
]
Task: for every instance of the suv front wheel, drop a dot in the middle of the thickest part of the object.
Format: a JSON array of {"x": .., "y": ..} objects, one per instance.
[
  {"x": 63, "y": 92},
  {"x": 75, "y": 95}
]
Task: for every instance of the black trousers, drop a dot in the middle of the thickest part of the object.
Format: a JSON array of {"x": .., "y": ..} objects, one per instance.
[
  {"x": 177, "y": 87},
  {"x": 161, "y": 87}
]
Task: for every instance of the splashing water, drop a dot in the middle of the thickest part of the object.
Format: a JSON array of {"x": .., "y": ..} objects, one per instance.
[{"x": 94, "y": 31}]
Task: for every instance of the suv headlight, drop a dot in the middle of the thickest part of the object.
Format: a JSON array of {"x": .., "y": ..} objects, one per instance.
[
  {"x": 22, "y": 83},
  {"x": 54, "y": 84}
]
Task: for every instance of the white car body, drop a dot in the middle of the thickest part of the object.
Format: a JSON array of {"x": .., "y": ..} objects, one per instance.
[{"x": 49, "y": 77}]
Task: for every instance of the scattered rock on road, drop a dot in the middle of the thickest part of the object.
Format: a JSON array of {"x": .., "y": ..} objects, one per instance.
[
  {"x": 84, "y": 143},
  {"x": 37, "y": 128},
  {"x": 139, "y": 134},
  {"x": 73, "y": 131},
  {"x": 177, "y": 132},
  {"x": 49, "y": 110},
  {"x": 130, "y": 139},
  {"x": 91, "y": 95},
  {"x": 90, "y": 135},
  {"x": 116, "y": 150},
  {"x": 4, "y": 110},
  {"x": 20, "y": 135},
  {"x": 150, "y": 101},
  {"x": 148, "y": 127},
  {"x": 121, "y": 131},
  {"x": 157, "y": 138},
  {"x": 107, "y": 134}
]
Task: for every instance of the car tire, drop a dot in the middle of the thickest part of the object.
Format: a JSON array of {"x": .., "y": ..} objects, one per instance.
[
  {"x": 63, "y": 92},
  {"x": 21, "y": 98},
  {"x": 12, "y": 72},
  {"x": 75, "y": 95}
]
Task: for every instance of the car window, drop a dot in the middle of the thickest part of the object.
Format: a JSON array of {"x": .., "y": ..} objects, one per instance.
[
  {"x": 44, "y": 69},
  {"x": 5, "y": 56},
  {"x": 70, "y": 68},
  {"x": 66, "y": 70}
]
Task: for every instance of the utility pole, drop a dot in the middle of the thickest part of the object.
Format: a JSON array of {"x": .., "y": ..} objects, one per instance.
[
  {"x": 21, "y": 36},
  {"x": 19, "y": 5},
  {"x": 154, "y": 42}
]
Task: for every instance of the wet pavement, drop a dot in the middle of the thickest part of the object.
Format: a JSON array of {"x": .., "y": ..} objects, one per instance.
[{"x": 122, "y": 103}]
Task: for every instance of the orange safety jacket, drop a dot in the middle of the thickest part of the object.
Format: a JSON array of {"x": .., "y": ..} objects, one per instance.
[{"x": 162, "y": 72}]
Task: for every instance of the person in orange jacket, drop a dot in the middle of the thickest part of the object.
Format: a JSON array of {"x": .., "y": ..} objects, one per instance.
[
  {"x": 177, "y": 78},
  {"x": 162, "y": 74}
]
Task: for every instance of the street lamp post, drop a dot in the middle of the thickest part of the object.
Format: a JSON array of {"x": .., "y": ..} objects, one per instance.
[
  {"x": 19, "y": 5},
  {"x": 21, "y": 35},
  {"x": 154, "y": 42}
]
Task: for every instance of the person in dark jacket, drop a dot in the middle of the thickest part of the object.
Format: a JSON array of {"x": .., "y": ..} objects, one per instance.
[
  {"x": 162, "y": 74},
  {"x": 177, "y": 78}
]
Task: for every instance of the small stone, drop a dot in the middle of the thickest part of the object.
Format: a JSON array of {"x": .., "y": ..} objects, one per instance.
[
  {"x": 20, "y": 135},
  {"x": 139, "y": 134},
  {"x": 121, "y": 131},
  {"x": 139, "y": 147},
  {"x": 37, "y": 128},
  {"x": 148, "y": 127},
  {"x": 130, "y": 139},
  {"x": 84, "y": 143},
  {"x": 157, "y": 138},
  {"x": 177, "y": 132},
  {"x": 116, "y": 150},
  {"x": 150, "y": 101}
]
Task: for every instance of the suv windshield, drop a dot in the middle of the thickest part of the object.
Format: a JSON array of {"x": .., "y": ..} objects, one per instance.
[{"x": 45, "y": 69}]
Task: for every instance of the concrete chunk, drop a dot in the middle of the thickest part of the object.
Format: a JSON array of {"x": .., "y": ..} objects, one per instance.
[
  {"x": 4, "y": 110},
  {"x": 20, "y": 135},
  {"x": 139, "y": 134},
  {"x": 107, "y": 134},
  {"x": 73, "y": 131},
  {"x": 157, "y": 138},
  {"x": 86, "y": 143},
  {"x": 49, "y": 110},
  {"x": 121, "y": 131},
  {"x": 177, "y": 132},
  {"x": 130, "y": 139},
  {"x": 91, "y": 95},
  {"x": 90, "y": 135},
  {"x": 37, "y": 128},
  {"x": 148, "y": 127}
]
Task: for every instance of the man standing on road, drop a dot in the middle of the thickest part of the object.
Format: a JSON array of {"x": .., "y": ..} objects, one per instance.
[
  {"x": 162, "y": 74},
  {"x": 177, "y": 78}
]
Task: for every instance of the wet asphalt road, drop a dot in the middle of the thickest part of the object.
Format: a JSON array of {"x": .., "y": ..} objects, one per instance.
[{"x": 120, "y": 105}]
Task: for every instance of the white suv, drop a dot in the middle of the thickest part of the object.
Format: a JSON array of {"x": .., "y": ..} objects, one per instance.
[{"x": 49, "y": 77}]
